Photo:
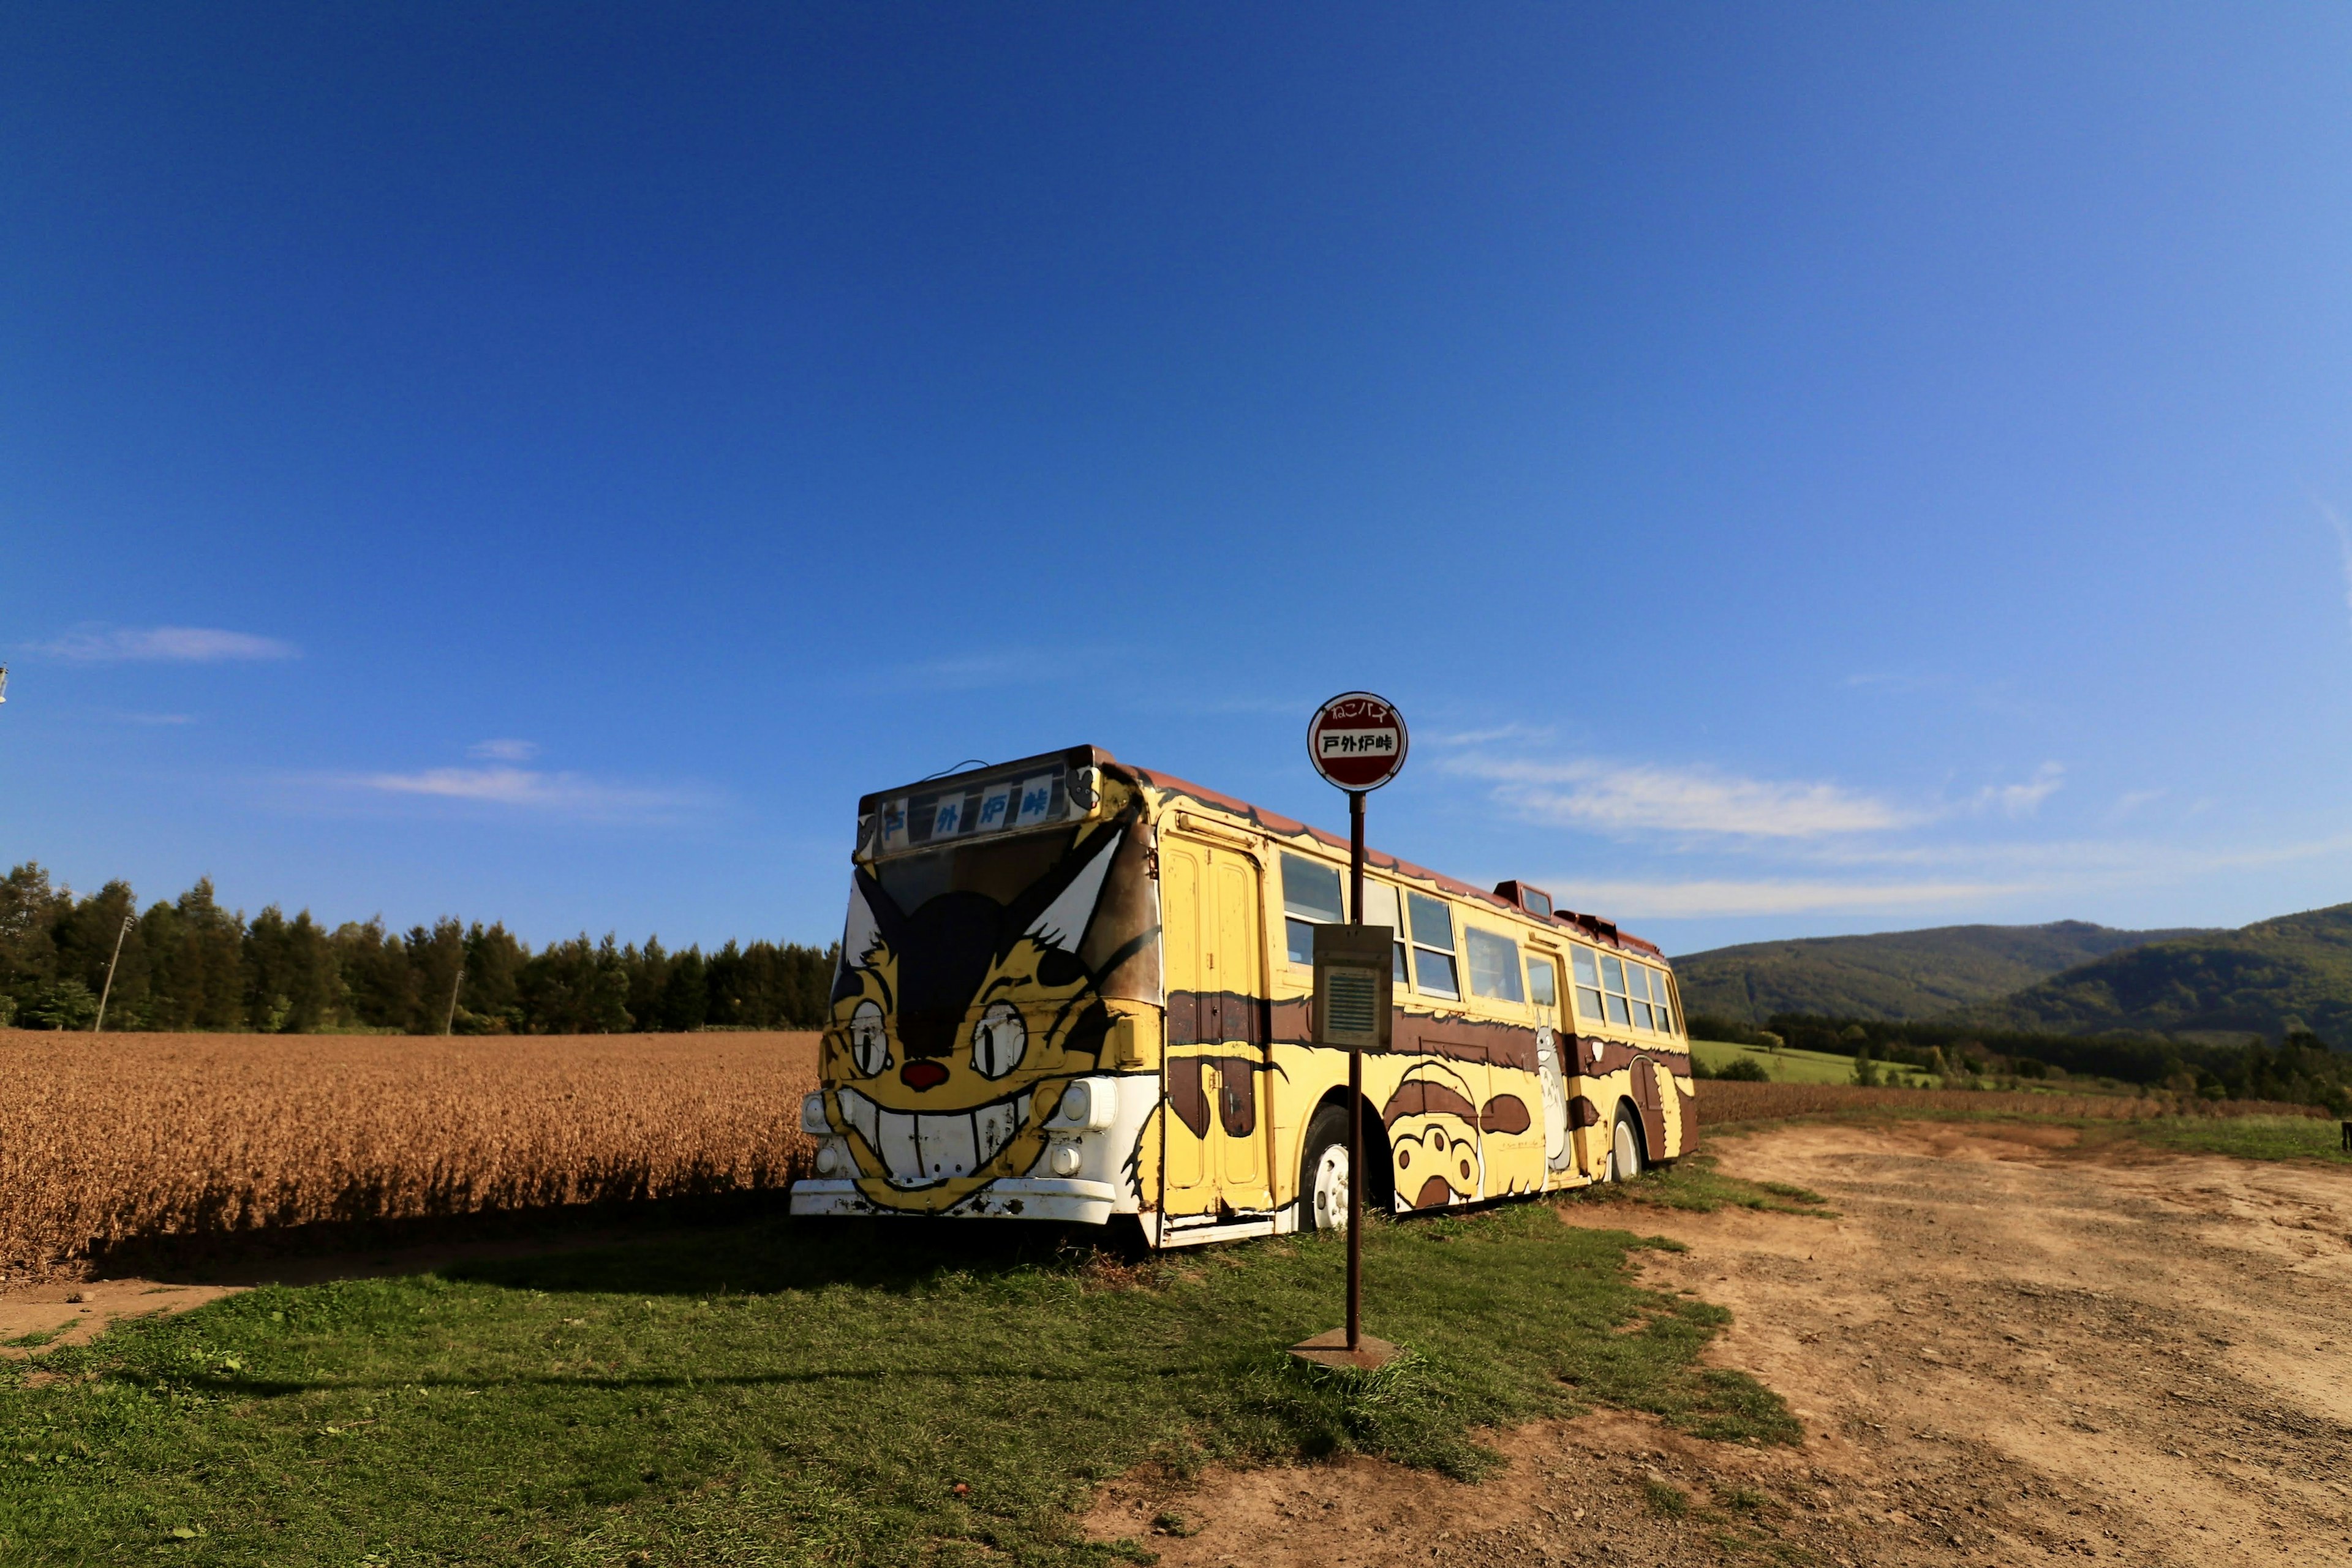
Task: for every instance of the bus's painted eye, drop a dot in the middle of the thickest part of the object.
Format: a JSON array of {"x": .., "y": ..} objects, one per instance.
[
  {"x": 998, "y": 1040},
  {"x": 870, "y": 1043}
]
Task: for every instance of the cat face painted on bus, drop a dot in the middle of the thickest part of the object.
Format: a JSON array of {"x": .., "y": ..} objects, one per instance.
[{"x": 957, "y": 1026}]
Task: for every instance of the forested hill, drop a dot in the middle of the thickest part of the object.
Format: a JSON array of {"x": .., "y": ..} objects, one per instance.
[
  {"x": 2267, "y": 977},
  {"x": 1894, "y": 975}
]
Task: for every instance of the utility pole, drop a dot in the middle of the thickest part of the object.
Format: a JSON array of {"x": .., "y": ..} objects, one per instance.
[
  {"x": 128, "y": 921},
  {"x": 450, "y": 1022}
]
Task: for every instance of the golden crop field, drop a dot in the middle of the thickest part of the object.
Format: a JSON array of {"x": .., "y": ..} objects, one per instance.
[{"x": 108, "y": 1137}]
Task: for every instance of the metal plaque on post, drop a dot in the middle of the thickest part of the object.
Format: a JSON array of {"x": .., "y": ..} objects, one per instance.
[
  {"x": 1352, "y": 981},
  {"x": 1353, "y": 978}
]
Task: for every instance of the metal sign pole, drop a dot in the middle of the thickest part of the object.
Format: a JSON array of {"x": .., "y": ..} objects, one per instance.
[
  {"x": 1355, "y": 1091},
  {"x": 1357, "y": 741}
]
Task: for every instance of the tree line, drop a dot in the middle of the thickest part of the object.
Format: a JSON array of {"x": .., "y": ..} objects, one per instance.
[
  {"x": 189, "y": 964},
  {"x": 2300, "y": 1070}
]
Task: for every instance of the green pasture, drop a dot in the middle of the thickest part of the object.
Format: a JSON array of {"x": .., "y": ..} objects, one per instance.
[
  {"x": 796, "y": 1393},
  {"x": 1787, "y": 1065},
  {"x": 2245, "y": 1137}
]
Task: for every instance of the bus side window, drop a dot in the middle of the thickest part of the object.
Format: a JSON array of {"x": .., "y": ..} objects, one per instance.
[
  {"x": 1381, "y": 910},
  {"x": 1541, "y": 991},
  {"x": 1433, "y": 968},
  {"x": 1310, "y": 897},
  {"x": 1494, "y": 965},
  {"x": 1612, "y": 981},
  {"x": 1637, "y": 986},
  {"x": 1587, "y": 985},
  {"x": 1662, "y": 1002}
]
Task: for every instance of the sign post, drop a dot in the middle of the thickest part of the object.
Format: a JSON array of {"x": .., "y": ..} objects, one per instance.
[{"x": 1357, "y": 741}]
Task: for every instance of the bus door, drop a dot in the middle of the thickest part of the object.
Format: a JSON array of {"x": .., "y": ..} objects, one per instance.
[
  {"x": 1546, "y": 986},
  {"x": 1217, "y": 1111}
]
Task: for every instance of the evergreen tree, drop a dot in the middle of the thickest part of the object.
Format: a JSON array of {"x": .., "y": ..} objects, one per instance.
[{"x": 191, "y": 965}]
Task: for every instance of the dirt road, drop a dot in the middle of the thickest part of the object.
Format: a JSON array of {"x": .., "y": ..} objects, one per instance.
[{"x": 2005, "y": 1351}]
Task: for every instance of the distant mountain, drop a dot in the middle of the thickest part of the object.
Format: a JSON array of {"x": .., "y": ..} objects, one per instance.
[
  {"x": 1896, "y": 975},
  {"x": 2262, "y": 978}
]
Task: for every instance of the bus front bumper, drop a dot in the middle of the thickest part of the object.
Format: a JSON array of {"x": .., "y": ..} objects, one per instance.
[{"x": 1012, "y": 1197}]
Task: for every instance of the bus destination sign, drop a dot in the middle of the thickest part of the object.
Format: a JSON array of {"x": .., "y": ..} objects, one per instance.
[{"x": 1357, "y": 740}]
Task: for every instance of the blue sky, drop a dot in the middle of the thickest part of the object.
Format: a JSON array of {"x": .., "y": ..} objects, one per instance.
[{"x": 1798, "y": 469}]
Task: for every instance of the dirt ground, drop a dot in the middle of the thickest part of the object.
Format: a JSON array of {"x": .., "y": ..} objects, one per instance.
[{"x": 2006, "y": 1350}]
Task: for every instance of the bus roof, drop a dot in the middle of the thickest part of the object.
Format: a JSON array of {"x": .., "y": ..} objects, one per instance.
[{"x": 1593, "y": 927}]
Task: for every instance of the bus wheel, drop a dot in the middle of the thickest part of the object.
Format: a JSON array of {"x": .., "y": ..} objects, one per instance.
[
  {"x": 1626, "y": 1148},
  {"x": 1323, "y": 1174}
]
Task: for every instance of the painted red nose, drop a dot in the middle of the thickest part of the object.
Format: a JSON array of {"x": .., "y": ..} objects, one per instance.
[{"x": 922, "y": 1075}]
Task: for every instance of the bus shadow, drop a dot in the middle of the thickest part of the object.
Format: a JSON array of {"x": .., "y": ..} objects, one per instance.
[{"x": 891, "y": 1255}]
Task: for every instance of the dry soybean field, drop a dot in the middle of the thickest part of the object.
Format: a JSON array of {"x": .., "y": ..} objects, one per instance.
[{"x": 104, "y": 1138}]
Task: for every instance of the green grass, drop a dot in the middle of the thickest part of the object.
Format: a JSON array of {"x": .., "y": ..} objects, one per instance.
[
  {"x": 806, "y": 1392},
  {"x": 2246, "y": 1137},
  {"x": 41, "y": 1336},
  {"x": 1787, "y": 1065},
  {"x": 1695, "y": 1182}
]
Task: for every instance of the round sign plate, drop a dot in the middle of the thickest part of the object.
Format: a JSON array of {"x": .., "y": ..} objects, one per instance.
[{"x": 1357, "y": 740}]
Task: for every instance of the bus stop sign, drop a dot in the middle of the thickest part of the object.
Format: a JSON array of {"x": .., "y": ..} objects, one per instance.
[{"x": 1357, "y": 740}]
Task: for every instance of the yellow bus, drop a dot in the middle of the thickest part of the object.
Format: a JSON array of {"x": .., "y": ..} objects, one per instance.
[{"x": 1075, "y": 990}]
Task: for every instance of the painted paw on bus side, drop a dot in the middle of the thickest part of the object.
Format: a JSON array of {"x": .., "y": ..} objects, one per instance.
[{"x": 1433, "y": 1127}]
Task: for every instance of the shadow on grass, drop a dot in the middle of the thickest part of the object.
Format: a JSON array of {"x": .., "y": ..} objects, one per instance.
[
  {"x": 377, "y": 1248},
  {"x": 889, "y": 1256}
]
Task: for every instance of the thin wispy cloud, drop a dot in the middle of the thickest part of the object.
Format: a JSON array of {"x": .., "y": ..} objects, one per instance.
[
  {"x": 2343, "y": 546},
  {"x": 1638, "y": 901},
  {"x": 504, "y": 750},
  {"x": 156, "y": 718},
  {"x": 1618, "y": 798},
  {"x": 2023, "y": 799},
  {"x": 1889, "y": 680},
  {"x": 989, "y": 669},
  {"x": 165, "y": 644},
  {"x": 1488, "y": 736},
  {"x": 530, "y": 791},
  {"x": 1979, "y": 877}
]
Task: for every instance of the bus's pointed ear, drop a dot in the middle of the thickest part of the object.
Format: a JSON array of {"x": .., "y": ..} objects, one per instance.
[
  {"x": 1063, "y": 924},
  {"x": 871, "y": 913}
]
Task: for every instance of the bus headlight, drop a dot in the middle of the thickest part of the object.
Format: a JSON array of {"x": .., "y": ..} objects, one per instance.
[
  {"x": 1067, "y": 1159},
  {"x": 813, "y": 1120},
  {"x": 828, "y": 1161},
  {"x": 1087, "y": 1105}
]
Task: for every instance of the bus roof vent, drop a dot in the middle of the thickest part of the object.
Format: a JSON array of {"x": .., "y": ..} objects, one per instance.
[{"x": 1533, "y": 900}]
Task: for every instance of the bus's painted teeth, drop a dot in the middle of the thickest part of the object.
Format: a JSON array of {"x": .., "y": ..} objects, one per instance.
[{"x": 920, "y": 1149}]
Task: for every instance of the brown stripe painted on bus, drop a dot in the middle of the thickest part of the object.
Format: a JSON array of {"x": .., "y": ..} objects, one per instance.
[
  {"x": 1216, "y": 1018},
  {"x": 1506, "y": 1113},
  {"x": 1237, "y": 1095},
  {"x": 1185, "y": 1094},
  {"x": 1418, "y": 1096}
]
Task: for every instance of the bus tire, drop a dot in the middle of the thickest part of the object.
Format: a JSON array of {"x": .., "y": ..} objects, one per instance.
[
  {"x": 1323, "y": 1173},
  {"x": 1625, "y": 1145}
]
